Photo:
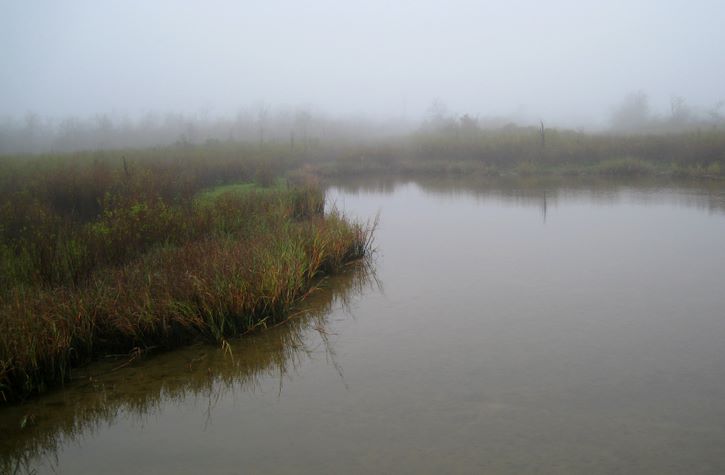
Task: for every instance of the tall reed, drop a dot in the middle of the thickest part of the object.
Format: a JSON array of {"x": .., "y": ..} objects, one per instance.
[{"x": 136, "y": 261}]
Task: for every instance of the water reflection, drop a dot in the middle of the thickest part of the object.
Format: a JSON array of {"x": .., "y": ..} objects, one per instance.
[
  {"x": 546, "y": 192},
  {"x": 99, "y": 395}
]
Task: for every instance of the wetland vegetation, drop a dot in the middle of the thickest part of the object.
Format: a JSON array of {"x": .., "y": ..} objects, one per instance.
[
  {"x": 122, "y": 251},
  {"x": 121, "y": 255},
  {"x": 462, "y": 149}
]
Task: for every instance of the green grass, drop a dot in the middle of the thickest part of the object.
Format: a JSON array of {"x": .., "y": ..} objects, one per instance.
[{"x": 208, "y": 196}]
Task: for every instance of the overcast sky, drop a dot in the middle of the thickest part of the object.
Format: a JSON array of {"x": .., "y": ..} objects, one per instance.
[{"x": 562, "y": 60}]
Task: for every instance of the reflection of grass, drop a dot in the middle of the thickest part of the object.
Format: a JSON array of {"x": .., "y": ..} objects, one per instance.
[
  {"x": 712, "y": 170},
  {"x": 100, "y": 396},
  {"x": 214, "y": 287},
  {"x": 96, "y": 259},
  {"x": 531, "y": 190}
]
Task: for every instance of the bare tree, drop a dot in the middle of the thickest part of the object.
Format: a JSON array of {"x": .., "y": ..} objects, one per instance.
[
  {"x": 303, "y": 117},
  {"x": 714, "y": 112},
  {"x": 681, "y": 113},
  {"x": 262, "y": 117},
  {"x": 542, "y": 133},
  {"x": 632, "y": 114}
]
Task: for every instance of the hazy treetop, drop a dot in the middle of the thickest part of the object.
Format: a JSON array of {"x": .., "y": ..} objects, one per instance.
[{"x": 564, "y": 60}]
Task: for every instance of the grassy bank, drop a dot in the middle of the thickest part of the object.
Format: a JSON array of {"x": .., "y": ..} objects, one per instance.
[
  {"x": 38, "y": 428},
  {"x": 99, "y": 260},
  {"x": 524, "y": 151}
]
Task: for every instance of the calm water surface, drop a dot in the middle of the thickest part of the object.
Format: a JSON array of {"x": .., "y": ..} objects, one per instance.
[{"x": 510, "y": 327}]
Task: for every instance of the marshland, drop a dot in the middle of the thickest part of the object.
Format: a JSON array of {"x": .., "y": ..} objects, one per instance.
[
  {"x": 112, "y": 259},
  {"x": 440, "y": 237}
]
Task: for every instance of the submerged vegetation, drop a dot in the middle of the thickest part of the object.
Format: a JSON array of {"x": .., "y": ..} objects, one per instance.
[{"x": 100, "y": 257}]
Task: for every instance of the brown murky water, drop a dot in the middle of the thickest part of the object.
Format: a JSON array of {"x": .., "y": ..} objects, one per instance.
[{"x": 511, "y": 326}]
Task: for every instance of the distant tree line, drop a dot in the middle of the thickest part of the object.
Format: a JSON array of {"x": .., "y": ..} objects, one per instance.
[
  {"x": 303, "y": 127},
  {"x": 259, "y": 124},
  {"x": 634, "y": 115}
]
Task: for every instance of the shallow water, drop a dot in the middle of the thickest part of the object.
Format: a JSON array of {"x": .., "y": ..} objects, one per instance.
[{"x": 511, "y": 326}]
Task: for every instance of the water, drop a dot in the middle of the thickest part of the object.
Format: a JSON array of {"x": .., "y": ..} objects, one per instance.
[{"x": 511, "y": 326}]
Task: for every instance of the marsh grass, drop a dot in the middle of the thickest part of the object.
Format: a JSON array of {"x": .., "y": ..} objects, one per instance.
[
  {"x": 513, "y": 150},
  {"x": 138, "y": 260},
  {"x": 99, "y": 394},
  {"x": 210, "y": 194},
  {"x": 626, "y": 166}
]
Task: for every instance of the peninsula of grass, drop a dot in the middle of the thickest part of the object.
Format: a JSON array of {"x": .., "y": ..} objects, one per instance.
[{"x": 100, "y": 259}]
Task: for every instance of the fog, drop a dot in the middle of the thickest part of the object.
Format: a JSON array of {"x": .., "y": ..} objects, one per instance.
[{"x": 569, "y": 63}]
